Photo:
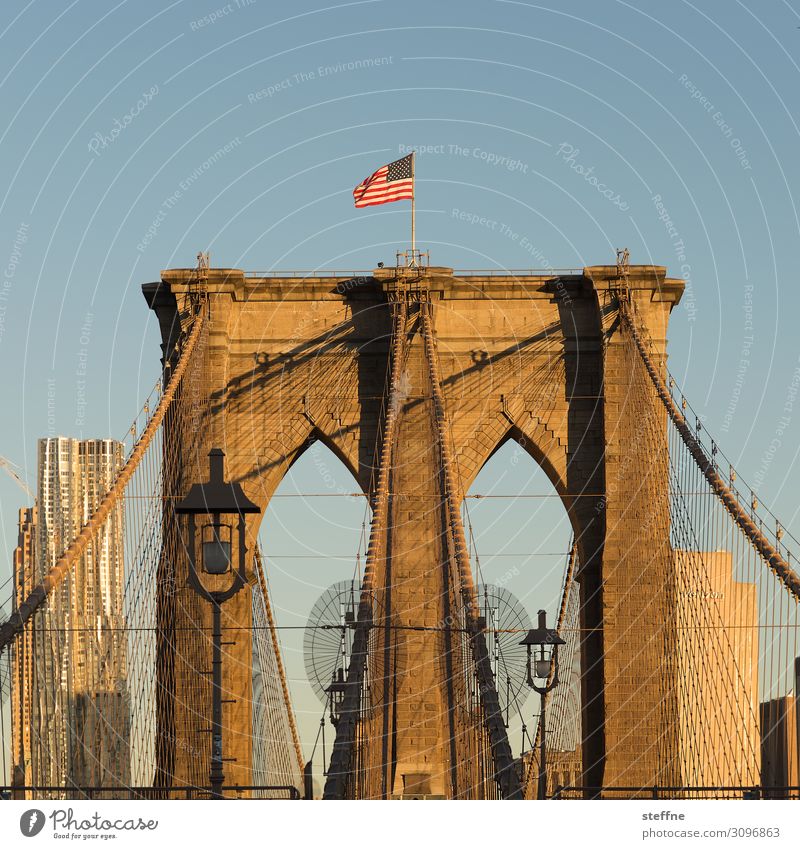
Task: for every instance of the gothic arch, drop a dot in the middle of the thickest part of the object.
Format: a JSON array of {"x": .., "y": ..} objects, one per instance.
[{"x": 316, "y": 434}]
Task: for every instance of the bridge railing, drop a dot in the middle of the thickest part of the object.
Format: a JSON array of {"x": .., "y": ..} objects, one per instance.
[
  {"x": 368, "y": 273},
  {"x": 252, "y": 791},
  {"x": 688, "y": 791}
]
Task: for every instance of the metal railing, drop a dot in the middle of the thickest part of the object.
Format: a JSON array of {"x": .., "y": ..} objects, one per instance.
[
  {"x": 303, "y": 274},
  {"x": 732, "y": 791},
  {"x": 469, "y": 272},
  {"x": 519, "y": 272},
  {"x": 66, "y": 793}
]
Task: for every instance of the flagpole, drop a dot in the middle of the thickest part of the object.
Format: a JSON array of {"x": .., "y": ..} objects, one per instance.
[{"x": 413, "y": 212}]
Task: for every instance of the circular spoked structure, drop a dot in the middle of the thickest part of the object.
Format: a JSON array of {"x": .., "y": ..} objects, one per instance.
[
  {"x": 328, "y": 638},
  {"x": 507, "y": 622}
]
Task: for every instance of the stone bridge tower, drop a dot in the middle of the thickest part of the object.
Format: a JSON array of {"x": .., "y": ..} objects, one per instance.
[{"x": 537, "y": 358}]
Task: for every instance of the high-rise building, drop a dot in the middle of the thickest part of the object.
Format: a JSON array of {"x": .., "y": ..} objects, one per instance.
[
  {"x": 717, "y": 657},
  {"x": 22, "y": 669},
  {"x": 73, "y": 656},
  {"x": 779, "y": 746}
]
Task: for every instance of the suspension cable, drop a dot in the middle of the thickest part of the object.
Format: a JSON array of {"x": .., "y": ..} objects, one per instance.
[
  {"x": 771, "y": 556},
  {"x": 262, "y": 584},
  {"x": 57, "y": 573},
  {"x": 345, "y": 742},
  {"x": 505, "y": 772}
]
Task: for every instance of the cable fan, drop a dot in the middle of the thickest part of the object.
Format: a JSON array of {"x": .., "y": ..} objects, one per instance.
[
  {"x": 328, "y": 637},
  {"x": 507, "y": 622}
]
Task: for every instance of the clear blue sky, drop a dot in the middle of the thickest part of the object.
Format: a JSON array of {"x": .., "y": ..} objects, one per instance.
[{"x": 695, "y": 104}]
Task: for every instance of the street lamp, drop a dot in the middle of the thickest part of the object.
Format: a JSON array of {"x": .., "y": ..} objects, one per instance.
[
  {"x": 544, "y": 666},
  {"x": 217, "y": 499},
  {"x": 336, "y": 696}
]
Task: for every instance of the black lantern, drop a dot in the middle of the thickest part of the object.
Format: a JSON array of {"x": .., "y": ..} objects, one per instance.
[
  {"x": 547, "y": 641},
  {"x": 336, "y": 696},
  {"x": 543, "y": 666},
  {"x": 216, "y": 498}
]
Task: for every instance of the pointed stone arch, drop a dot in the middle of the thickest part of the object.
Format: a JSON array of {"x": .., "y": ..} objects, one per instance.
[{"x": 316, "y": 434}]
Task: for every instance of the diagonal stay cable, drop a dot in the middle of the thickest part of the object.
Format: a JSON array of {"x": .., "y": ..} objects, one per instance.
[
  {"x": 56, "y": 575},
  {"x": 772, "y": 557}
]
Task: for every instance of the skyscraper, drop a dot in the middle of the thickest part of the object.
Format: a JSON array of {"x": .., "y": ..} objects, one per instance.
[
  {"x": 72, "y": 660},
  {"x": 779, "y": 746},
  {"x": 22, "y": 681},
  {"x": 717, "y": 650}
]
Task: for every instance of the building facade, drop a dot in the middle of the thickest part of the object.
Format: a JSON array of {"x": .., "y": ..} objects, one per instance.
[
  {"x": 718, "y": 654},
  {"x": 779, "y": 747},
  {"x": 22, "y": 665},
  {"x": 71, "y": 667}
]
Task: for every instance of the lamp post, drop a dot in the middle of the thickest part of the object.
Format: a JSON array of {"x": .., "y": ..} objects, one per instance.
[
  {"x": 545, "y": 666},
  {"x": 216, "y": 498},
  {"x": 336, "y": 692}
]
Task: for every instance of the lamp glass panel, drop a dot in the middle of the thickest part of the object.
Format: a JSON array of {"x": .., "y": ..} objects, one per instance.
[{"x": 216, "y": 556}]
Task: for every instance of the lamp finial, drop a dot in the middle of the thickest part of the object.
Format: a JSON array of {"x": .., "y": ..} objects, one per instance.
[{"x": 216, "y": 465}]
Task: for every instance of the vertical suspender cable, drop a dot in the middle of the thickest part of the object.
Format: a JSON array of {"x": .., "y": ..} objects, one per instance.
[
  {"x": 505, "y": 768},
  {"x": 771, "y": 556},
  {"x": 342, "y": 757},
  {"x": 57, "y": 574}
]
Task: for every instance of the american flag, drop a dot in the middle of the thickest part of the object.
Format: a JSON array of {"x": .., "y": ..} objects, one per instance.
[{"x": 394, "y": 181}]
